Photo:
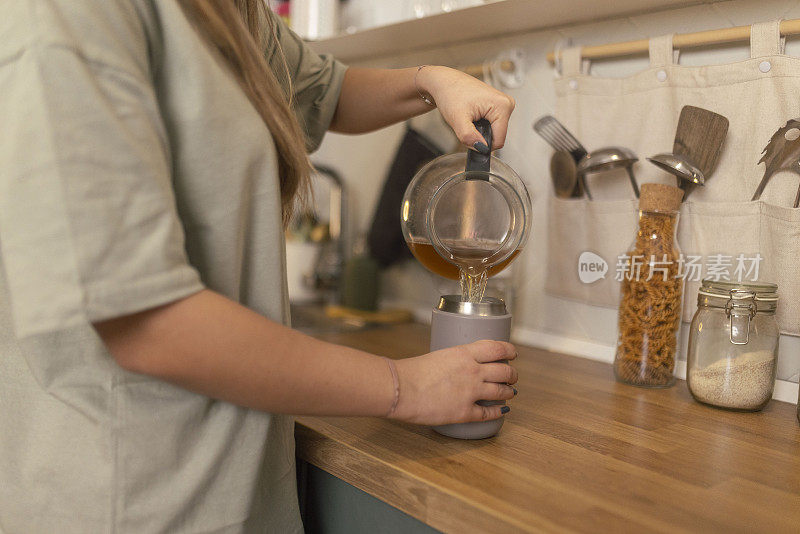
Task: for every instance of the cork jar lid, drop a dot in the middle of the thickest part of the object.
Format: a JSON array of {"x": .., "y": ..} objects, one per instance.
[{"x": 660, "y": 198}]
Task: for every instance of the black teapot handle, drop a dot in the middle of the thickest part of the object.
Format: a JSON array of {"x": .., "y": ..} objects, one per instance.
[{"x": 476, "y": 161}]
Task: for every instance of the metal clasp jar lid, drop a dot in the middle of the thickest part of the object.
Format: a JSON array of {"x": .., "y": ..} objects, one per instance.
[{"x": 741, "y": 301}]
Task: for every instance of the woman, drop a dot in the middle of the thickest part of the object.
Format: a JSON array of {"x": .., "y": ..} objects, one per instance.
[{"x": 149, "y": 157}]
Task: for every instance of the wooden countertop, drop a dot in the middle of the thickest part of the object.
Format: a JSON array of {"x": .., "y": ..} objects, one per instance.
[{"x": 578, "y": 452}]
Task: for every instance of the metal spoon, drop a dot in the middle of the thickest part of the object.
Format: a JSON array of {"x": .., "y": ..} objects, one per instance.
[
  {"x": 607, "y": 159},
  {"x": 564, "y": 174},
  {"x": 681, "y": 167}
]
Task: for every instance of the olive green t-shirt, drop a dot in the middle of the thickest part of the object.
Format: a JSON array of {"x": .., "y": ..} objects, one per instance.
[{"x": 133, "y": 172}]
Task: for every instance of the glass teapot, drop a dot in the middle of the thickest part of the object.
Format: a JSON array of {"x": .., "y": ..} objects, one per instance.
[{"x": 468, "y": 219}]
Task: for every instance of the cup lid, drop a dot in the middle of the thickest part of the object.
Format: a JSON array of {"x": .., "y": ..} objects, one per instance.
[{"x": 486, "y": 307}]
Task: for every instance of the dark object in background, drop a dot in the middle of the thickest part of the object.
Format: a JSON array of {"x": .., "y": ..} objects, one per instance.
[
  {"x": 360, "y": 283},
  {"x": 327, "y": 274},
  {"x": 385, "y": 239}
]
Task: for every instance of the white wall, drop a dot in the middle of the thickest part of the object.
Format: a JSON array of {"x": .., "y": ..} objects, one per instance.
[{"x": 539, "y": 318}]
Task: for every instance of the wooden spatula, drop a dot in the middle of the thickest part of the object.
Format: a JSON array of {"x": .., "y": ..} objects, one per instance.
[{"x": 699, "y": 137}]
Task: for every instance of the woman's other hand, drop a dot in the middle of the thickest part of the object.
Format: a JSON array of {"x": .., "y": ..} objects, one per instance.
[
  {"x": 462, "y": 99},
  {"x": 441, "y": 387}
]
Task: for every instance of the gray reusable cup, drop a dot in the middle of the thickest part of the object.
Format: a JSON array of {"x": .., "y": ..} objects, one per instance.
[{"x": 457, "y": 322}]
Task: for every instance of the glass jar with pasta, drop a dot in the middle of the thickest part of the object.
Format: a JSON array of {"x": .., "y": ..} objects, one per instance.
[{"x": 651, "y": 293}]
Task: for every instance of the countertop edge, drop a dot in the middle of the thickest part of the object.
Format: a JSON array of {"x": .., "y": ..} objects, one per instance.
[{"x": 429, "y": 503}]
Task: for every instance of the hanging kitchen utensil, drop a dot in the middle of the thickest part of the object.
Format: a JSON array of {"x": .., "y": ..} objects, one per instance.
[
  {"x": 607, "y": 159},
  {"x": 698, "y": 142},
  {"x": 782, "y": 153},
  {"x": 562, "y": 140},
  {"x": 564, "y": 174},
  {"x": 559, "y": 137},
  {"x": 699, "y": 138},
  {"x": 681, "y": 167}
]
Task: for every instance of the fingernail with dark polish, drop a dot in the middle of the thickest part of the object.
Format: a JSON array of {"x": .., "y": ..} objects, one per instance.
[
  {"x": 505, "y": 409},
  {"x": 483, "y": 148},
  {"x": 515, "y": 390}
]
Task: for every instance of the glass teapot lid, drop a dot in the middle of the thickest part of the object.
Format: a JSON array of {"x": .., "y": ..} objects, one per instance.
[{"x": 473, "y": 209}]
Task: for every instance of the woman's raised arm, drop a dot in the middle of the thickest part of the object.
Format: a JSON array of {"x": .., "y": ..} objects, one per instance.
[{"x": 374, "y": 98}]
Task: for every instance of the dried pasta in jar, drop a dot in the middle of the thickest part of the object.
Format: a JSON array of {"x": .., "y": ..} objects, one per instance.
[{"x": 651, "y": 293}]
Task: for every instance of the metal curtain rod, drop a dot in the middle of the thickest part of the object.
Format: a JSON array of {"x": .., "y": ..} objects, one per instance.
[{"x": 680, "y": 40}]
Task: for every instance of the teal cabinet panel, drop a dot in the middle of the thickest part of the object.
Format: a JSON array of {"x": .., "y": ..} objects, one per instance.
[{"x": 331, "y": 506}]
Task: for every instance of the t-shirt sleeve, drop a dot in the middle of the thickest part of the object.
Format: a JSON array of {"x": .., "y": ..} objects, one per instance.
[
  {"x": 316, "y": 81},
  {"x": 89, "y": 228}
]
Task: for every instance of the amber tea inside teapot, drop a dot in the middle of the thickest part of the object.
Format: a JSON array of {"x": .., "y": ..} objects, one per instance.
[{"x": 466, "y": 217}]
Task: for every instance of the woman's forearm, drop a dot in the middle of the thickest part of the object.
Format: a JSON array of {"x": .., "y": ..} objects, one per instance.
[
  {"x": 216, "y": 347},
  {"x": 374, "y": 98}
]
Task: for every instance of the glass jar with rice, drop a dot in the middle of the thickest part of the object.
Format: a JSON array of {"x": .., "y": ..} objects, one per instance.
[{"x": 733, "y": 345}]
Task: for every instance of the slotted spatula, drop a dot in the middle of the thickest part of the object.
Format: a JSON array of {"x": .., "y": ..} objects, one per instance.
[{"x": 557, "y": 135}]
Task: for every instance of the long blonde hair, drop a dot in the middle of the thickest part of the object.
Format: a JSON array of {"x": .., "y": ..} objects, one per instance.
[{"x": 238, "y": 30}]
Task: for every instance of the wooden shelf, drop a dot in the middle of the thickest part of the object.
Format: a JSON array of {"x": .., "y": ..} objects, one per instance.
[{"x": 499, "y": 18}]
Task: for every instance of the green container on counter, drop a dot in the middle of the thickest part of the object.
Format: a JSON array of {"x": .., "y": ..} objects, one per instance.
[{"x": 360, "y": 283}]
